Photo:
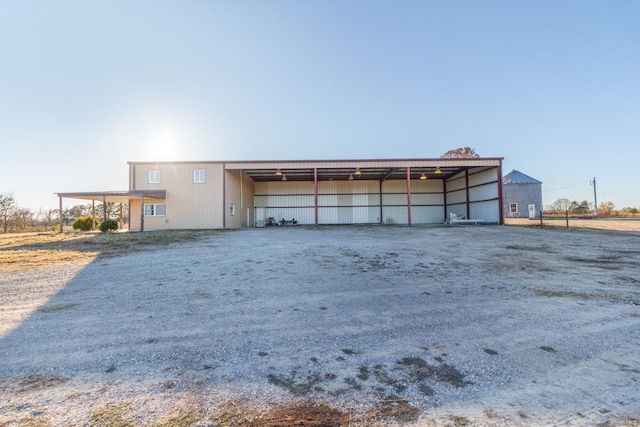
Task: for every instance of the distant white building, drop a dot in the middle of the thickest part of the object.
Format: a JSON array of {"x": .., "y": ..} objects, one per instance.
[{"x": 522, "y": 195}]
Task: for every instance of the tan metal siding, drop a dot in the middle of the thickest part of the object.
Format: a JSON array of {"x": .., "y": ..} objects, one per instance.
[{"x": 188, "y": 205}]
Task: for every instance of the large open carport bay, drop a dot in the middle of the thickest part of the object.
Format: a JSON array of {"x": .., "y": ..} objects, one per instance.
[{"x": 486, "y": 325}]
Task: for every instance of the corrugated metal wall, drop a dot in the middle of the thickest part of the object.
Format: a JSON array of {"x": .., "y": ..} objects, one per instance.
[
  {"x": 188, "y": 205},
  {"x": 523, "y": 195},
  {"x": 483, "y": 195},
  {"x": 352, "y": 202}
]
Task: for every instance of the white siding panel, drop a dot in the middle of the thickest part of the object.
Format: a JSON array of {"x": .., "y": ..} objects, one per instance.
[
  {"x": 302, "y": 215},
  {"x": 427, "y": 186},
  {"x": 395, "y": 215},
  {"x": 394, "y": 199},
  {"x": 485, "y": 192},
  {"x": 457, "y": 197},
  {"x": 487, "y": 211},
  {"x": 456, "y": 184},
  {"x": 394, "y": 186},
  {"x": 283, "y": 187},
  {"x": 427, "y": 214},
  {"x": 483, "y": 177},
  {"x": 427, "y": 199},
  {"x": 283, "y": 201}
]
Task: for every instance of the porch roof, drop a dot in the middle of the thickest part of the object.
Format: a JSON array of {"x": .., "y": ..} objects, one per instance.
[{"x": 117, "y": 196}]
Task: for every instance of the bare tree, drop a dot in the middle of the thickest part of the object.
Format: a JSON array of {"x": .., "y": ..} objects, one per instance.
[
  {"x": 461, "y": 153},
  {"x": 22, "y": 218},
  {"x": 7, "y": 206}
]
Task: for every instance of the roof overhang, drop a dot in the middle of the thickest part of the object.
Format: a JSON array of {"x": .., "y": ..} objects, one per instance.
[
  {"x": 378, "y": 170},
  {"x": 117, "y": 196}
]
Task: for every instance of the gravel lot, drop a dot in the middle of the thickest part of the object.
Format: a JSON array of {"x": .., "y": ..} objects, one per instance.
[{"x": 485, "y": 325}]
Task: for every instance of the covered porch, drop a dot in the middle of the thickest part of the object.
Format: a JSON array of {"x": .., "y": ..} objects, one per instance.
[{"x": 120, "y": 197}]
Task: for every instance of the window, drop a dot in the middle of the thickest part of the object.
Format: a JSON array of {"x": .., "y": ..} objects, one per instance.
[
  {"x": 513, "y": 208},
  {"x": 154, "y": 176},
  {"x": 154, "y": 210},
  {"x": 198, "y": 176}
]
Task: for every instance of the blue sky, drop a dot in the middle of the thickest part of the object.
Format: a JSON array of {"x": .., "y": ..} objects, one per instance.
[{"x": 551, "y": 86}]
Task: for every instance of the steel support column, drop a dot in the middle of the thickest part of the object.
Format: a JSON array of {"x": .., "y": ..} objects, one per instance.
[
  {"x": 466, "y": 183},
  {"x": 315, "y": 197},
  {"x": 409, "y": 196},
  {"x": 500, "y": 195}
]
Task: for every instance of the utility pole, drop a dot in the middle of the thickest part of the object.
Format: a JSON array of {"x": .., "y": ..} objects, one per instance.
[{"x": 595, "y": 197}]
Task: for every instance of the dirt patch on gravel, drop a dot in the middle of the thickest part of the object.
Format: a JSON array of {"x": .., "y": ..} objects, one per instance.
[{"x": 340, "y": 326}]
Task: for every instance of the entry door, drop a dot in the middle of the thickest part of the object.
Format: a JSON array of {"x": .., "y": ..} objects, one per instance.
[{"x": 532, "y": 211}]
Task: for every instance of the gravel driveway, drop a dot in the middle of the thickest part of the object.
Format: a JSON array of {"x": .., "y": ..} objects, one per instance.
[{"x": 485, "y": 325}]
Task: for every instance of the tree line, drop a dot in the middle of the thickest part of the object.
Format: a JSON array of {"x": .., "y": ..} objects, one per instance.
[
  {"x": 15, "y": 218},
  {"x": 606, "y": 209}
]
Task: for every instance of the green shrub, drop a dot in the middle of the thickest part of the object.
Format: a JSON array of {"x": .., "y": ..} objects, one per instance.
[
  {"x": 83, "y": 223},
  {"x": 108, "y": 226}
]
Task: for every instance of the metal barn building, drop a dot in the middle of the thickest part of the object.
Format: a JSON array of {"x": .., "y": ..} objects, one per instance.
[
  {"x": 235, "y": 194},
  {"x": 522, "y": 195}
]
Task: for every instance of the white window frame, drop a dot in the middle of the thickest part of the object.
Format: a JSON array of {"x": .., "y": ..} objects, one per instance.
[
  {"x": 154, "y": 209},
  {"x": 513, "y": 208},
  {"x": 199, "y": 176},
  {"x": 154, "y": 176}
]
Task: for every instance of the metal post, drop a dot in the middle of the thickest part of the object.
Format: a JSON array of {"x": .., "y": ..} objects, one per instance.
[
  {"x": 409, "y": 195},
  {"x": 104, "y": 208},
  {"x": 541, "y": 223},
  {"x": 566, "y": 216},
  {"x": 466, "y": 180},
  {"x": 315, "y": 197},
  {"x": 142, "y": 214},
  {"x": 93, "y": 214},
  {"x": 595, "y": 198},
  {"x": 60, "y": 213}
]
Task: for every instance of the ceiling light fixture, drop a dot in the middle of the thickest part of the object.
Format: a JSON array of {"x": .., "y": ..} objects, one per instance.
[
  {"x": 278, "y": 172},
  {"x": 284, "y": 177},
  {"x": 423, "y": 176},
  {"x": 438, "y": 169},
  {"x": 357, "y": 172},
  {"x": 350, "y": 177}
]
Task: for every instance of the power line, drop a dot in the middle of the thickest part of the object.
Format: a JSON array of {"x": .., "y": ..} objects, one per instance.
[{"x": 569, "y": 186}]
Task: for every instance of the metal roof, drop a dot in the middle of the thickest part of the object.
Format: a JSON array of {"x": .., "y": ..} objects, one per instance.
[
  {"x": 517, "y": 177},
  {"x": 340, "y": 170}
]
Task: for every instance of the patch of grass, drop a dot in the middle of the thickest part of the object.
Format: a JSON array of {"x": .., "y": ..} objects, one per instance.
[
  {"x": 394, "y": 408},
  {"x": 30, "y": 421},
  {"x": 418, "y": 370},
  {"x": 184, "y": 417},
  {"x": 490, "y": 352},
  {"x": 363, "y": 373},
  {"x": 426, "y": 390},
  {"x": 459, "y": 420},
  {"x": 350, "y": 352},
  {"x": 113, "y": 416},
  {"x": 168, "y": 385},
  {"x": 26, "y": 251},
  {"x": 38, "y": 381},
  {"x": 351, "y": 382},
  {"x": 263, "y": 353},
  {"x": 296, "y": 388},
  {"x": 51, "y": 308},
  {"x": 110, "y": 369},
  {"x": 548, "y": 349}
]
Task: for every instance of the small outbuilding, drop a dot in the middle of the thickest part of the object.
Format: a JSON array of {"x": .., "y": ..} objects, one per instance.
[{"x": 522, "y": 195}]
